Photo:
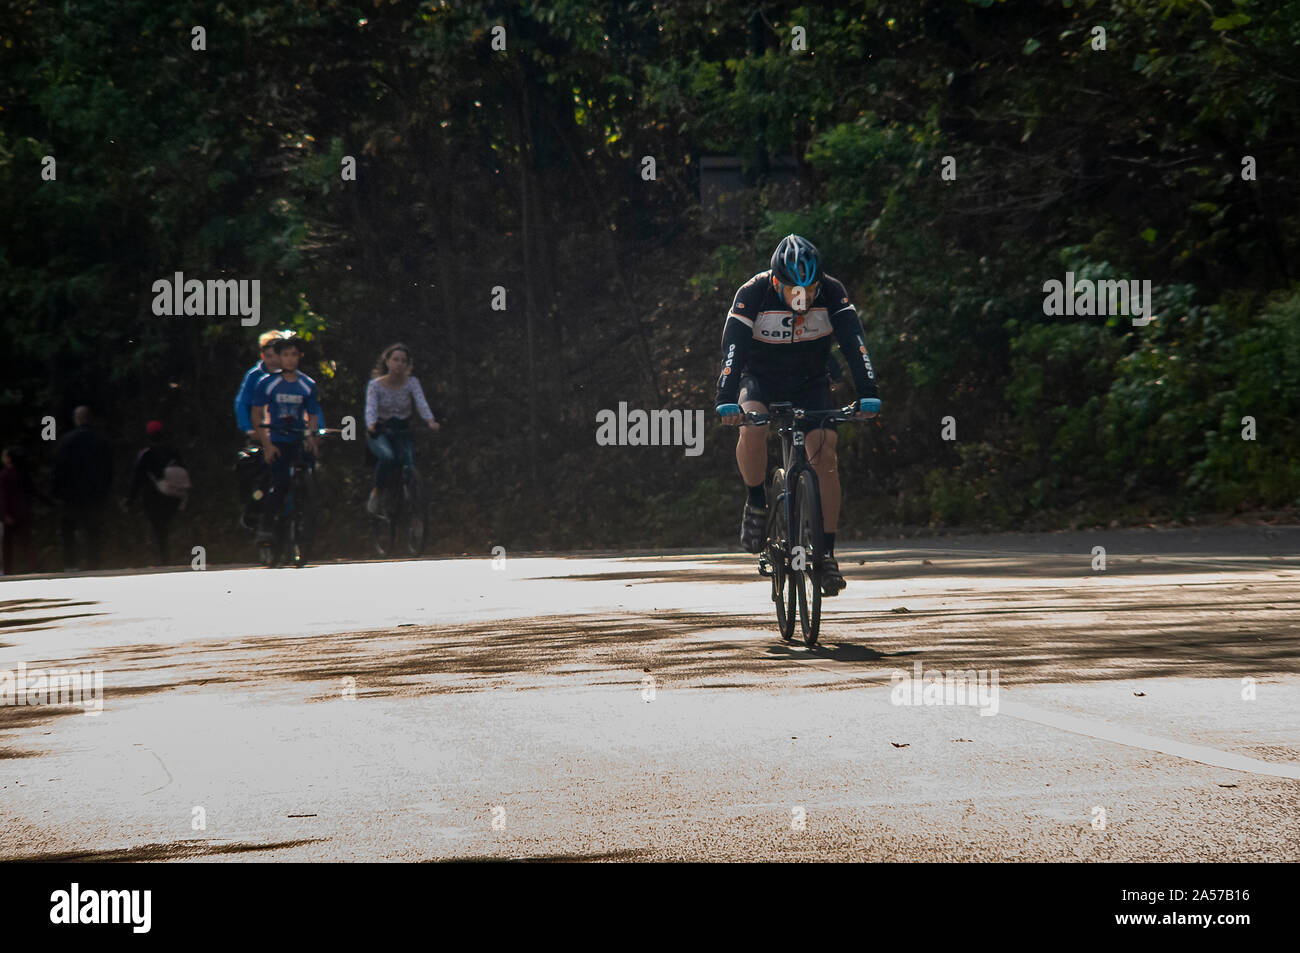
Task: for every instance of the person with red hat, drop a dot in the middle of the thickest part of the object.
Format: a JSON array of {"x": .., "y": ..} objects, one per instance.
[{"x": 161, "y": 484}]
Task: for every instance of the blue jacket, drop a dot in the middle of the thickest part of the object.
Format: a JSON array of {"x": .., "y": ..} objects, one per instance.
[{"x": 244, "y": 399}]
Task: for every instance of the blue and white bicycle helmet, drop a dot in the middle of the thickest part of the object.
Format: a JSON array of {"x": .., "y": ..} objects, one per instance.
[{"x": 796, "y": 261}]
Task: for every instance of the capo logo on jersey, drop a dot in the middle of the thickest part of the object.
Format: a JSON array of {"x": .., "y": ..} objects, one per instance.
[{"x": 783, "y": 327}]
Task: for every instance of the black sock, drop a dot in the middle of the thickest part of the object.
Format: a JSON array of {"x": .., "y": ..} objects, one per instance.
[
  {"x": 757, "y": 496},
  {"x": 830, "y": 543}
]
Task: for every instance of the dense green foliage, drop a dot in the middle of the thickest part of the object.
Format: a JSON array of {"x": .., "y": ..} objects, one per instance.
[{"x": 522, "y": 168}]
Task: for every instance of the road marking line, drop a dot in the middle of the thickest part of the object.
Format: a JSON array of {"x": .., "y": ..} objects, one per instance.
[
  {"x": 1104, "y": 731},
  {"x": 1136, "y": 739}
]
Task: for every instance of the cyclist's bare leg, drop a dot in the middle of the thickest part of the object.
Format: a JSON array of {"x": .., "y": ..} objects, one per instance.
[
  {"x": 820, "y": 444},
  {"x": 751, "y": 448}
]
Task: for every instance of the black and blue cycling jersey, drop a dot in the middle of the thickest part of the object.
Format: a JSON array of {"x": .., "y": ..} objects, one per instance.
[{"x": 766, "y": 339}]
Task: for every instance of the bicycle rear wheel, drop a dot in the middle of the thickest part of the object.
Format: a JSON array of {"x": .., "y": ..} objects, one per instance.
[
  {"x": 811, "y": 542},
  {"x": 778, "y": 539}
]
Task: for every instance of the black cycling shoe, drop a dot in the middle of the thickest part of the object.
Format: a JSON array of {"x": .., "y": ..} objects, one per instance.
[
  {"x": 832, "y": 581},
  {"x": 753, "y": 528}
]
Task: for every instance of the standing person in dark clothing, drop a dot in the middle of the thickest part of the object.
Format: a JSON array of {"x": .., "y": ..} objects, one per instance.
[
  {"x": 83, "y": 480},
  {"x": 147, "y": 484},
  {"x": 16, "y": 494}
]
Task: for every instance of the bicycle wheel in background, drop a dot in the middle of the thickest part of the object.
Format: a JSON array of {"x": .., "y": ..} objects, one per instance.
[
  {"x": 381, "y": 535},
  {"x": 809, "y": 537},
  {"x": 778, "y": 539},
  {"x": 273, "y": 551},
  {"x": 302, "y": 524},
  {"x": 415, "y": 528},
  {"x": 382, "y": 532}
]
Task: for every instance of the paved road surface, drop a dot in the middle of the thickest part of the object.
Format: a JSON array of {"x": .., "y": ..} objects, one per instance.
[{"x": 643, "y": 708}]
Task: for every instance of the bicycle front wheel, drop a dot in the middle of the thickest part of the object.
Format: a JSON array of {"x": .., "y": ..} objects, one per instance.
[
  {"x": 302, "y": 531},
  {"x": 416, "y": 513},
  {"x": 778, "y": 554},
  {"x": 807, "y": 554},
  {"x": 381, "y": 535}
]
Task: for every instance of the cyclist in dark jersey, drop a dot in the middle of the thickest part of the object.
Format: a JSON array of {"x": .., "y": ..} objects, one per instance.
[{"x": 775, "y": 347}]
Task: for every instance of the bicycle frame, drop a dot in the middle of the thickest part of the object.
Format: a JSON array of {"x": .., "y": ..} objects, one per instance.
[
  {"x": 785, "y": 417},
  {"x": 297, "y": 471},
  {"x": 285, "y": 532},
  {"x": 399, "y": 509},
  {"x": 781, "y": 558},
  {"x": 408, "y": 465}
]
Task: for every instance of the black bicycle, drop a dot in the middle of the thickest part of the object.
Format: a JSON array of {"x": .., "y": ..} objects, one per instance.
[
  {"x": 293, "y": 532},
  {"x": 795, "y": 546},
  {"x": 402, "y": 524}
]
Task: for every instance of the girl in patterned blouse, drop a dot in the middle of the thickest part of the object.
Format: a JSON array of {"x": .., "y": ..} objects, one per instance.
[{"x": 391, "y": 397}]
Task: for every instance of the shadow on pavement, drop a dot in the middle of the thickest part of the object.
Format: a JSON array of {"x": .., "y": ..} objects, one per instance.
[
  {"x": 151, "y": 852},
  {"x": 543, "y": 858},
  {"x": 1244, "y": 625},
  {"x": 34, "y": 623}
]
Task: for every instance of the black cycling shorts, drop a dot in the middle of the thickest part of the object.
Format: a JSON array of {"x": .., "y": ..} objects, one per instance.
[{"x": 809, "y": 395}]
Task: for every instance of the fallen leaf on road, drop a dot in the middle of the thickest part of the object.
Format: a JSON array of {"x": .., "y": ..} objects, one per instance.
[
  {"x": 897, "y": 745},
  {"x": 1140, "y": 694}
]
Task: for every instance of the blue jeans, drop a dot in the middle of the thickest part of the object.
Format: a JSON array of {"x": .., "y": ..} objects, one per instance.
[{"x": 393, "y": 449}]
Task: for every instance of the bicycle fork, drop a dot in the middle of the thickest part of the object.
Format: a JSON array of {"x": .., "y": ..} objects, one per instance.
[{"x": 785, "y": 497}]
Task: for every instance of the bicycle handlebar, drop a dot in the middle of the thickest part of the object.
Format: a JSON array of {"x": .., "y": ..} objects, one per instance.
[
  {"x": 788, "y": 413},
  {"x": 404, "y": 424}
]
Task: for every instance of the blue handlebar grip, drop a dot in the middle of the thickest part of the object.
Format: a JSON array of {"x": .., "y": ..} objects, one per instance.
[
  {"x": 869, "y": 405},
  {"x": 727, "y": 410}
]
